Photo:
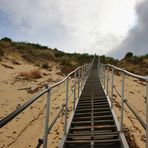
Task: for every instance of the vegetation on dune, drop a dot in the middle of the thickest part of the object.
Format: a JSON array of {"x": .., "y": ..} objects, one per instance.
[
  {"x": 104, "y": 59},
  {"x": 135, "y": 64},
  {"x": 33, "y": 74},
  {"x": 6, "y": 39},
  {"x": 42, "y": 55},
  {"x": 130, "y": 62},
  {"x": 1, "y": 52}
]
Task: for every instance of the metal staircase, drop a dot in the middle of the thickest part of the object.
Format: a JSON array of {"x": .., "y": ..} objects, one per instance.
[{"x": 93, "y": 124}]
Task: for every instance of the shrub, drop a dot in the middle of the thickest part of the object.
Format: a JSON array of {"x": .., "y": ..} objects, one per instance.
[
  {"x": 128, "y": 55},
  {"x": 58, "y": 54},
  {"x": 33, "y": 74},
  {"x": 6, "y": 39},
  {"x": 45, "y": 65},
  {"x": 1, "y": 53}
]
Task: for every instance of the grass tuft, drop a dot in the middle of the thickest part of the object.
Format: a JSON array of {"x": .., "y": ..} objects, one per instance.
[{"x": 33, "y": 74}]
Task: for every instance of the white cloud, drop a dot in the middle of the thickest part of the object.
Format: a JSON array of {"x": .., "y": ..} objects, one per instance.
[
  {"x": 93, "y": 26},
  {"x": 136, "y": 39}
]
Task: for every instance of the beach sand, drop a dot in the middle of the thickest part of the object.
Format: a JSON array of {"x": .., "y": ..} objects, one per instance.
[
  {"x": 25, "y": 130},
  {"x": 135, "y": 93}
]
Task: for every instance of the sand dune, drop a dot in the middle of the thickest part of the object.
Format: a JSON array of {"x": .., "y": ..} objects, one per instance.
[
  {"x": 25, "y": 130},
  {"x": 135, "y": 93}
]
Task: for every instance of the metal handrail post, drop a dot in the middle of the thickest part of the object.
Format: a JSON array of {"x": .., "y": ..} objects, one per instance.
[
  {"x": 98, "y": 64},
  {"x": 84, "y": 75},
  {"x": 66, "y": 107},
  {"x": 78, "y": 83},
  {"x": 112, "y": 89},
  {"x": 104, "y": 75},
  {"x": 47, "y": 119},
  {"x": 82, "y": 78},
  {"x": 147, "y": 113},
  {"x": 101, "y": 73},
  {"x": 122, "y": 102},
  {"x": 74, "y": 95},
  {"x": 107, "y": 79}
]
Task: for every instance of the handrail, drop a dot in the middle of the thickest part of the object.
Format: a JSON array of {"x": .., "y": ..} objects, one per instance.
[
  {"x": 136, "y": 114},
  {"x": 105, "y": 79},
  {"x": 40, "y": 141},
  {"x": 60, "y": 82},
  {"x": 13, "y": 114},
  {"x": 79, "y": 80},
  {"x": 132, "y": 109},
  {"x": 129, "y": 73}
]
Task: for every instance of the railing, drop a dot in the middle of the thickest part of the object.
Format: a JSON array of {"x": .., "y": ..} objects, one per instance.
[
  {"x": 104, "y": 71},
  {"x": 79, "y": 75}
]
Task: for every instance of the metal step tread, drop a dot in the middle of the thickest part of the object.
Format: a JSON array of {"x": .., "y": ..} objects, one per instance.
[
  {"x": 101, "y": 112},
  {"x": 95, "y": 121},
  {"x": 92, "y": 126},
  {"x": 109, "y": 136},
  {"x": 89, "y": 109},
  {"x": 94, "y": 117},
  {"x": 92, "y": 133},
  {"x": 97, "y": 141}
]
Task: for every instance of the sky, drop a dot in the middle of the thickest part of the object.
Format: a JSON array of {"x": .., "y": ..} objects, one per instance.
[{"x": 110, "y": 27}]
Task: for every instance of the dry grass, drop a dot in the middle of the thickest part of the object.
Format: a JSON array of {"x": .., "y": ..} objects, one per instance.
[{"x": 33, "y": 74}]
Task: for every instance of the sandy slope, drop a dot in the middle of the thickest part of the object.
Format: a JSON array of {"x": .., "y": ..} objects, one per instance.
[
  {"x": 25, "y": 130},
  {"x": 135, "y": 93}
]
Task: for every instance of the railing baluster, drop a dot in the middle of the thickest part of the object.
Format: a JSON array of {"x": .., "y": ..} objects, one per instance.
[
  {"x": 74, "y": 95},
  {"x": 47, "y": 119},
  {"x": 112, "y": 89},
  {"x": 78, "y": 82},
  {"x": 104, "y": 75},
  {"x": 107, "y": 79},
  {"x": 99, "y": 66},
  {"x": 101, "y": 73},
  {"x": 81, "y": 79},
  {"x": 122, "y": 102},
  {"x": 66, "y": 107},
  {"x": 147, "y": 113}
]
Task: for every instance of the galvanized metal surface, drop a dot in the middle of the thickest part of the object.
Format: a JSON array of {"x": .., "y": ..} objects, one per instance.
[
  {"x": 124, "y": 100},
  {"x": 93, "y": 124},
  {"x": 47, "y": 119},
  {"x": 93, "y": 121}
]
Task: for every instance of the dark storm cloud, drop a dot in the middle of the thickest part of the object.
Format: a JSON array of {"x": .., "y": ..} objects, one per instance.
[{"x": 137, "y": 38}]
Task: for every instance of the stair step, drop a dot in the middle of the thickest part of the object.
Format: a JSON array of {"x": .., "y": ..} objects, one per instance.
[
  {"x": 95, "y": 113},
  {"x": 98, "y": 121},
  {"x": 94, "y": 117},
  {"x": 96, "y": 100},
  {"x": 98, "y": 106},
  {"x": 108, "y": 127},
  {"x": 95, "y": 141},
  {"x": 95, "y": 137},
  {"x": 94, "y": 104},
  {"x": 94, "y": 109},
  {"x": 91, "y": 133}
]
